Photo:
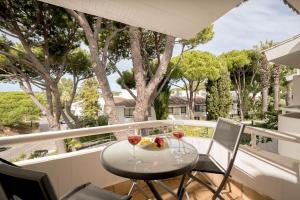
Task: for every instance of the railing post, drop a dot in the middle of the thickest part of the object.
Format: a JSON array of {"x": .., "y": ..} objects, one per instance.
[
  {"x": 253, "y": 141},
  {"x": 136, "y": 131}
]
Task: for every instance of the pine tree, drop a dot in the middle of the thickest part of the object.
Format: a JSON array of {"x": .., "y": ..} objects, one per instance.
[
  {"x": 218, "y": 97},
  {"x": 161, "y": 103}
]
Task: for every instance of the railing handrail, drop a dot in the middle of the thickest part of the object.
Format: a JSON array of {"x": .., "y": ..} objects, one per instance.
[
  {"x": 63, "y": 134},
  {"x": 286, "y": 136}
]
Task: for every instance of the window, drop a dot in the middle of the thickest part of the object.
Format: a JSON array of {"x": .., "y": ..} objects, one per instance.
[
  {"x": 183, "y": 109},
  {"x": 200, "y": 108},
  {"x": 170, "y": 110},
  {"x": 128, "y": 112},
  {"x": 197, "y": 108}
]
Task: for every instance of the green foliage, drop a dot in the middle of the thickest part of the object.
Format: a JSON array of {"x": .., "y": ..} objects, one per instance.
[
  {"x": 17, "y": 107},
  {"x": 201, "y": 38},
  {"x": 128, "y": 78},
  {"x": 35, "y": 18},
  {"x": 196, "y": 131},
  {"x": 243, "y": 67},
  {"x": 218, "y": 97},
  {"x": 92, "y": 122},
  {"x": 86, "y": 121},
  {"x": 161, "y": 103},
  {"x": 79, "y": 63},
  {"x": 89, "y": 95},
  {"x": 20, "y": 157},
  {"x": 38, "y": 154},
  {"x": 236, "y": 59},
  {"x": 65, "y": 87},
  {"x": 197, "y": 66},
  {"x": 271, "y": 120},
  {"x": 72, "y": 144}
]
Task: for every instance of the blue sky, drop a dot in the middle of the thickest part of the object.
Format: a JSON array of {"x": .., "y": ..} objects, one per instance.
[{"x": 241, "y": 28}]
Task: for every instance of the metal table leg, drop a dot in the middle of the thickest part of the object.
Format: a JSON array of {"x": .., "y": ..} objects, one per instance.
[
  {"x": 135, "y": 184},
  {"x": 154, "y": 190},
  {"x": 181, "y": 188}
]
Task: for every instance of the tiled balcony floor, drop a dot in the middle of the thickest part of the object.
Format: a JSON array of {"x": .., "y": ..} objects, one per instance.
[{"x": 233, "y": 191}]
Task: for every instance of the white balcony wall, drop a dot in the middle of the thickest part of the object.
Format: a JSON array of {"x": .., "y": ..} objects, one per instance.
[
  {"x": 69, "y": 170},
  {"x": 289, "y": 123},
  {"x": 269, "y": 174},
  {"x": 296, "y": 90}
]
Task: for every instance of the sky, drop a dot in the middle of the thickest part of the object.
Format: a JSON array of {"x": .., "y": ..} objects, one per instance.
[{"x": 241, "y": 28}]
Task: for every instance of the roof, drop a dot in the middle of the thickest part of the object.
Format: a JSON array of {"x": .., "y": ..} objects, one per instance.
[
  {"x": 119, "y": 101},
  {"x": 175, "y": 100},
  {"x": 286, "y": 52},
  {"x": 183, "y": 19}
]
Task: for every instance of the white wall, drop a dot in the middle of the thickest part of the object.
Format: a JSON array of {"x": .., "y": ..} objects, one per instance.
[
  {"x": 296, "y": 90},
  {"x": 289, "y": 123},
  {"x": 178, "y": 115},
  {"x": 69, "y": 170},
  {"x": 123, "y": 119}
]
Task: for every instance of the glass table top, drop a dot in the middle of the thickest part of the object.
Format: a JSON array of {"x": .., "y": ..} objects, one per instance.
[{"x": 149, "y": 163}]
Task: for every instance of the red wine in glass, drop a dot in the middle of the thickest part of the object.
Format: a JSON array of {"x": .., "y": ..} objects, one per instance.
[
  {"x": 178, "y": 134},
  {"x": 134, "y": 139}
]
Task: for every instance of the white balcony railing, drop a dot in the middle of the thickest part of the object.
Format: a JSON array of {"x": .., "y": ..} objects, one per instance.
[{"x": 268, "y": 173}]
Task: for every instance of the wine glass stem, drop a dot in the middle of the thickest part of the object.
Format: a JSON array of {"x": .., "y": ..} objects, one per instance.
[{"x": 134, "y": 152}]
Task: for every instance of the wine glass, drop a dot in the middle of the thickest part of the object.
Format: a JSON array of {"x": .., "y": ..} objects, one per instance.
[
  {"x": 178, "y": 134},
  {"x": 134, "y": 139}
]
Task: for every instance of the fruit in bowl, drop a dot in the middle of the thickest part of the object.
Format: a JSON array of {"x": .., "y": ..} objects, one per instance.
[
  {"x": 146, "y": 141},
  {"x": 159, "y": 141}
]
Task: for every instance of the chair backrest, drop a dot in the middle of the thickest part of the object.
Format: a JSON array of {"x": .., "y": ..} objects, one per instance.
[
  {"x": 228, "y": 134},
  {"x": 23, "y": 184}
]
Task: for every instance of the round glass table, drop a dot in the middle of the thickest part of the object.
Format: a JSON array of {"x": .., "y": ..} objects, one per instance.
[{"x": 147, "y": 163}]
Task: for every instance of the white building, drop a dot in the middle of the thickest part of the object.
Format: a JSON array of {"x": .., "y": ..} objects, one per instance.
[
  {"x": 124, "y": 105},
  {"x": 179, "y": 109},
  {"x": 288, "y": 53}
]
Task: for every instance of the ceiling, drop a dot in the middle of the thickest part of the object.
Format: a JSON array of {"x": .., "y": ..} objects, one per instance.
[
  {"x": 294, "y": 4},
  {"x": 183, "y": 19},
  {"x": 286, "y": 52}
]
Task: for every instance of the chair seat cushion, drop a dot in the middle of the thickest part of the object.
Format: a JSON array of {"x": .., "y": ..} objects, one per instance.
[
  {"x": 205, "y": 164},
  {"x": 91, "y": 192}
]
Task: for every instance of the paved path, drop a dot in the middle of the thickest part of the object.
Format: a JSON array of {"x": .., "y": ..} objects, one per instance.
[{"x": 15, "y": 151}]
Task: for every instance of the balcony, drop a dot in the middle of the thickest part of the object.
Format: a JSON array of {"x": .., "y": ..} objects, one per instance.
[{"x": 257, "y": 174}]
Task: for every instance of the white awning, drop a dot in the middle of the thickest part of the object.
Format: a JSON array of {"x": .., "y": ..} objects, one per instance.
[
  {"x": 180, "y": 18},
  {"x": 286, "y": 52},
  {"x": 294, "y": 4}
]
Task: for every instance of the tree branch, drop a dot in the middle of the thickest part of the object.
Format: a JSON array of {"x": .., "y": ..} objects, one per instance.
[
  {"x": 97, "y": 27},
  {"x": 107, "y": 43},
  {"x": 9, "y": 34},
  {"x": 123, "y": 83},
  {"x": 162, "y": 68}
]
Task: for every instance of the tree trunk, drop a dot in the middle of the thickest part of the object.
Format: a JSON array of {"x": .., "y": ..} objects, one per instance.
[
  {"x": 276, "y": 88},
  {"x": 60, "y": 144},
  {"x": 141, "y": 110},
  {"x": 241, "y": 108},
  {"x": 68, "y": 105},
  {"x": 264, "y": 81},
  {"x": 265, "y": 100},
  {"x": 289, "y": 95},
  {"x": 98, "y": 66},
  {"x": 191, "y": 101},
  {"x": 146, "y": 91}
]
